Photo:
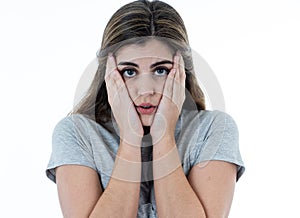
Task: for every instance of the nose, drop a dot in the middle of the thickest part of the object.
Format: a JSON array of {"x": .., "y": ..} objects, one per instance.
[{"x": 146, "y": 85}]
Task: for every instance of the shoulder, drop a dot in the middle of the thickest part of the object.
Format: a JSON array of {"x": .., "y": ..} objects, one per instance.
[
  {"x": 71, "y": 120},
  {"x": 77, "y": 122},
  {"x": 219, "y": 126},
  {"x": 212, "y": 135},
  {"x": 207, "y": 120},
  {"x": 69, "y": 123},
  {"x": 220, "y": 119},
  {"x": 214, "y": 116},
  {"x": 77, "y": 126}
]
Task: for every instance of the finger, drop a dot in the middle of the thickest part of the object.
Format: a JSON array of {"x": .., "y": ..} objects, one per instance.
[
  {"x": 112, "y": 71},
  {"x": 118, "y": 87},
  {"x": 182, "y": 78},
  {"x": 176, "y": 77},
  {"x": 168, "y": 87},
  {"x": 182, "y": 71},
  {"x": 177, "y": 66},
  {"x": 110, "y": 65},
  {"x": 178, "y": 86},
  {"x": 113, "y": 79},
  {"x": 113, "y": 76},
  {"x": 108, "y": 78}
]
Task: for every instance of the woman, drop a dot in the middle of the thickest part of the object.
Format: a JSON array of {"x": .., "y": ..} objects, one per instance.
[{"x": 140, "y": 143}]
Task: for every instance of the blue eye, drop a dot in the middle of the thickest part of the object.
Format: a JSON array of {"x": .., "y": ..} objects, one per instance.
[
  {"x": 128, "y": 73},
  {"x": 162, "y": 71}
]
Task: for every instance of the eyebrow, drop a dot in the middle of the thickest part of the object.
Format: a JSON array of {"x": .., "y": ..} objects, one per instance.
[{"x": 126, "y": 63}]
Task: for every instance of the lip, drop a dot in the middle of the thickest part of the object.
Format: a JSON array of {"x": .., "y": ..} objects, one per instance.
[{"x": 148, "y": 111}]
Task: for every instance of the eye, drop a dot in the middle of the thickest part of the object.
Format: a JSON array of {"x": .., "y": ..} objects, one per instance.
[
  {"x": 161, "y": 71},
  {"x": 128, "y": 73}
]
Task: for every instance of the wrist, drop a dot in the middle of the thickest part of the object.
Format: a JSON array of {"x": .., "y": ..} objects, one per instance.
[
  {"x": 163, "y": 146},
  {"x": 129, "y": 152},
  {"x": 127, "y": 163},
  {"x": 131, "y": 139},
  {"x": 162, "y": 138},
  {"x": 166, "y": 163}
]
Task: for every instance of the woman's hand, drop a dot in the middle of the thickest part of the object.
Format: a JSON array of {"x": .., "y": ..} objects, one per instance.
[
  {"x": 130, "y": 127},
  {"x": 169, "y": 108}
]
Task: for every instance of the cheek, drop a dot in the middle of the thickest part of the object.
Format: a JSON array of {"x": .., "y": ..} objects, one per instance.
[
  {"x": 159, "y": 88},
  {"x": 138, "y": 86},
  {"x": 131, "y": 88}
]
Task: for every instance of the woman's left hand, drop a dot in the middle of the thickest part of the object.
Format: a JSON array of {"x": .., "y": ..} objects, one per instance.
[{"x": 171, "y": 102}]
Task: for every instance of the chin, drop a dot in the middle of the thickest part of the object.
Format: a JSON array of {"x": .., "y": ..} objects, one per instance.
[{"x": 146, "y": 120}]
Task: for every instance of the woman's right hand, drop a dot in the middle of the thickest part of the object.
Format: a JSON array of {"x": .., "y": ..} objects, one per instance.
[{"x": 129, "y": 123}]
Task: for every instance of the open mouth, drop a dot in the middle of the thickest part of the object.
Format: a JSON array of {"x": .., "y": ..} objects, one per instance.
[{"x": 146, "y": 108}]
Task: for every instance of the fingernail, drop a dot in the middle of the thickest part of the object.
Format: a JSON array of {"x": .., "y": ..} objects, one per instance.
[{"x": 173, "y": 72}]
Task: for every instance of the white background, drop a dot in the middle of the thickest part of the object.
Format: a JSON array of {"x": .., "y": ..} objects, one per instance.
[{"x": 253, "y": 47}]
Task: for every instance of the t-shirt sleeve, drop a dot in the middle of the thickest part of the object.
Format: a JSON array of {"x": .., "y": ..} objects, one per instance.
[
  {"x": 70, "y": 145},
  {"x": 221, "y": 143}
]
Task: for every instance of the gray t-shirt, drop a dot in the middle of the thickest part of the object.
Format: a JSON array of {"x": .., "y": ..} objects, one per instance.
[{"x": 200, "y": 136}]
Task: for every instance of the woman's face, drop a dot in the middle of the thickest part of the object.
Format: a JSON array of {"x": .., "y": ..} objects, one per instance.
[{"x": 144, "y": 68}]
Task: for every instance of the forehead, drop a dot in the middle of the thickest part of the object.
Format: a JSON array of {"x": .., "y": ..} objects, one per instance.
[{"x": 151, "y": 49}]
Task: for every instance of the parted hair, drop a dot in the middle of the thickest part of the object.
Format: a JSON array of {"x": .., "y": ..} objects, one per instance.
[{"x": 135, "y": 23}]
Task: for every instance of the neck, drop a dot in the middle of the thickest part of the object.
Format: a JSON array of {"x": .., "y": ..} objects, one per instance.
[{"x": 146, "y": 130}]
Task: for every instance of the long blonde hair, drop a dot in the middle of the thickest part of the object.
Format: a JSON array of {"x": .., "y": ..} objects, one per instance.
[{"x": 134, "y": 23}]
